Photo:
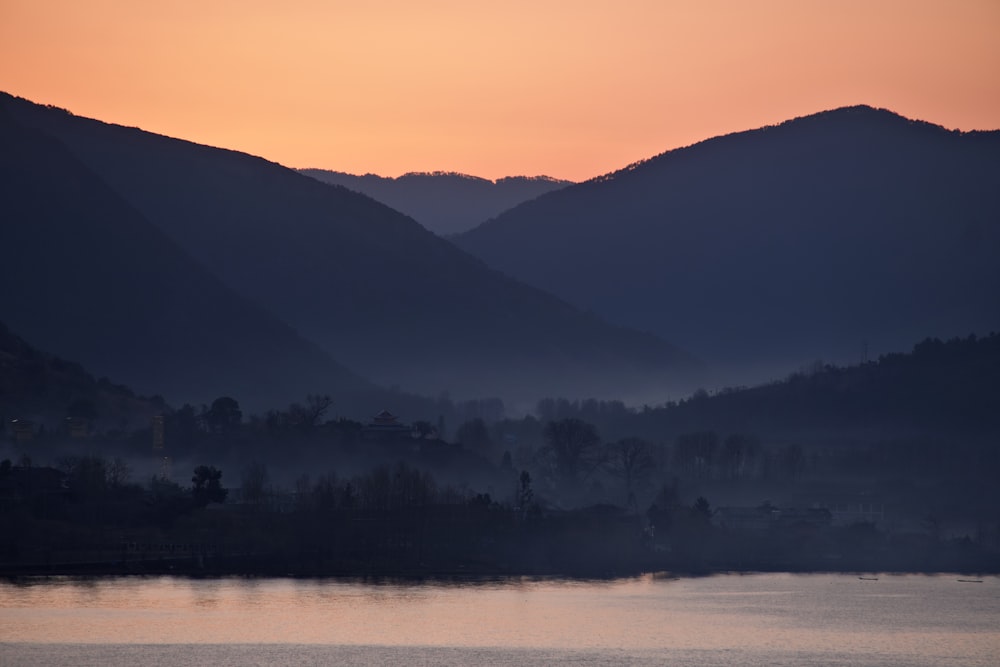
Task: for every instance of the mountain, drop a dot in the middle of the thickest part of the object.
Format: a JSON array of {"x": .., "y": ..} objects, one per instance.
[
  {"x": 943, "y": 392},
  {"x": 821, "y": 238},
  {"x": 86, "y": 276},
  {"x": 368, "y": 284},
  {"x": 445, "y": 203},
  {"x": 44, "y": 388}
]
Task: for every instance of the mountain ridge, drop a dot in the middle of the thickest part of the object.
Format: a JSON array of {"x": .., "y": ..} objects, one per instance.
[
  {"x": 442, "y": 201},
  {"x": 370, "y": 285},
  {"x": 94, "y": 281},
  {"x": 881, "y": 203}
]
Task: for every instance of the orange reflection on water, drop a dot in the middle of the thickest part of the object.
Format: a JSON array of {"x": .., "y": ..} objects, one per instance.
[{"x": 771, "y": 614}]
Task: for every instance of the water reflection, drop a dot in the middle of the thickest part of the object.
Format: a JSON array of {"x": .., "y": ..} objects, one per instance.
[{"x": 924, "y": 620}]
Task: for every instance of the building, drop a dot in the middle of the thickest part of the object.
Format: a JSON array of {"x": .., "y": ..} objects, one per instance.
[{"x": 385, "y": 426}]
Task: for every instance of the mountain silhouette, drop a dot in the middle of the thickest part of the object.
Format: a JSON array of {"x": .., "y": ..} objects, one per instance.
[
  {"x": 87, "y": 277},
  {"x": 445, "y": 203},
  {"x": 368, "y": 284},
  {"x": 44, "y": 388},
  {"x": 820, "y": 238}
]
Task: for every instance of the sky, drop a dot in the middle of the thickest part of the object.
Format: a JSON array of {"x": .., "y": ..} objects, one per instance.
[{"x": 569, "y": 89}]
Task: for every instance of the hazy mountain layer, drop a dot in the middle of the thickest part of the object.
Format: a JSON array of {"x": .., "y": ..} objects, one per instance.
[
  {"x": 942, "y": 392},
  {"x": 35, "y": 385},
  {"x": 370, "y": 285},
  {"x": 445, "y": 203},
  {"x": 769, "y": 248},
  {"x": 87, "y": 277}
]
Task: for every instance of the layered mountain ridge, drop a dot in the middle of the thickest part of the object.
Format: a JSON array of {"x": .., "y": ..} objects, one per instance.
[
  {"x": 845, "y": 233},
  {"x": 369, "y": 285},
  {"x": 87, "y": 277},
  {"x": 446, "y": 203}
]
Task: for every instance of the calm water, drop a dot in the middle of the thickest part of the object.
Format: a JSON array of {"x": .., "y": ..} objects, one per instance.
[{"x": 772, "y": 619}]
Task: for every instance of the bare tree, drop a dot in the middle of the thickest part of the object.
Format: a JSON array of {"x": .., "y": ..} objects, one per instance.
[
  {"x": 572, "y": 446},
  {"x": 738, "y": 454},
  {"x": 316, "y": 407},
  {"x": 254, "y": 483},
  {"x": 118, "y": 472},
  {"x": 632, "y": 460}
]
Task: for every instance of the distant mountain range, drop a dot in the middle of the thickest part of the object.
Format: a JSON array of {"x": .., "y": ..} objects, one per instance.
[
  {"x": 193, "y": 271},
  {"x": 824, "y": 237},
  {"x": 445, "y": 203},
  {"x": 88, "y": 277}
]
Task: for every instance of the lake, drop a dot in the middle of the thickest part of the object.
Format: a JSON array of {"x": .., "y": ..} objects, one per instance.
[{"x": 758, "y": 619}]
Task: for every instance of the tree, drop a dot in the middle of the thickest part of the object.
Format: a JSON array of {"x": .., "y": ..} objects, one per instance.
[
  {"x": 738, "y": 455},
  {"x": 88, "y": 475},
  {"x": 225, "y": 415},
  {"x": 253, "y": 487},
  {"x": 524, "y": 496},
  {"x": 694, "y": 452},
  {"x": 316, "y": 407},
  {"x": 307, "y": 417},
  {"x": 631, "y": 459},
  {"x": 118, "y": 473},
  {"x": 424, "y": 429},
  {"x": 792, "y": 461},
  {"x": 661, "y": 512},
  {"x": 299, "y": 417},
  {"x": 572, "y": 447},
  {"x": 207, "y": 486},
  {"x": 165, "y": 501},
  {"x": 524, "y": 492},
  {"x": 182, "y": 426},
  {"x": 701, "y": 511}
]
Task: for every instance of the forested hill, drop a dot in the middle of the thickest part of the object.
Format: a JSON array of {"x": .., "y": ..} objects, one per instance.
[
  {"x": 445, "y": 203},
  {"x": 86, "y": 276},
  {"x": 941, "y": 389},
  {"x": 764, "y": 250},
  {"x": 368, "y": 285},
  {"x": 41, "y": 387}
]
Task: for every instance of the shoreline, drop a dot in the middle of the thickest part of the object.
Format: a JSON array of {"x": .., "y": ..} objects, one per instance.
[{"x": 193, "y": 571}]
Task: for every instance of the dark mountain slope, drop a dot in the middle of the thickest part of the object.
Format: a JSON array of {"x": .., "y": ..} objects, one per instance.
[
  {"x": 369, "y": 284},
  {"x": 942, "y": 390},
  {"x": 445, "y": 203},
  {"x": 86, "y": 277},
  {"x": 940, "y": 387},
  {"x": 780, "y": 245},
  {"x": 44, "y": 388}
]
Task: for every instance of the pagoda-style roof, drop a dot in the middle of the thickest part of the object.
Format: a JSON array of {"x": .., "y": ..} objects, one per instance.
[
  {"x": 385, "y": 418},
  {"x": 385, "y": 426}
]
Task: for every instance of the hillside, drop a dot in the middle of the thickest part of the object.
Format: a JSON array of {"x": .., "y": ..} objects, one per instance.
[
  {"x": 368, "y": 284},
  {"x": 445, "y": 203},
  {"x": 88, "y": 278},
  {"x": 46, "y": 389},
  {"x": 944, "y": 391},
  {"x": 762, "y": 251}
]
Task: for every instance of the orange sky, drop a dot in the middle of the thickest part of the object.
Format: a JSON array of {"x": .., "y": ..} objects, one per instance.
[{"x": 571, "y": 89}]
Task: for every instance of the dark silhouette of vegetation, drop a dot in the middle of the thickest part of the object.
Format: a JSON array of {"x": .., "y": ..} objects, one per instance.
[
  {"x": 207, "y": 486},
  {"x": 887, "y": 464},
  {"x": 633, "y": 460}
]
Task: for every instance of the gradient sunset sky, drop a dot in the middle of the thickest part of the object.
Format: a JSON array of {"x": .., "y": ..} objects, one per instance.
[{"x": 568, "y": 89}]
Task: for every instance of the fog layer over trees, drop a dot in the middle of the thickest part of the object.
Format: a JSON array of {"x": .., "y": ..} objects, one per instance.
[{"x": 586, "y": 487}]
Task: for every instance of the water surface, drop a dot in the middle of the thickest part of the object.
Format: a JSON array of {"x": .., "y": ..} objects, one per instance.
[{"x": 768, "y": 619}]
